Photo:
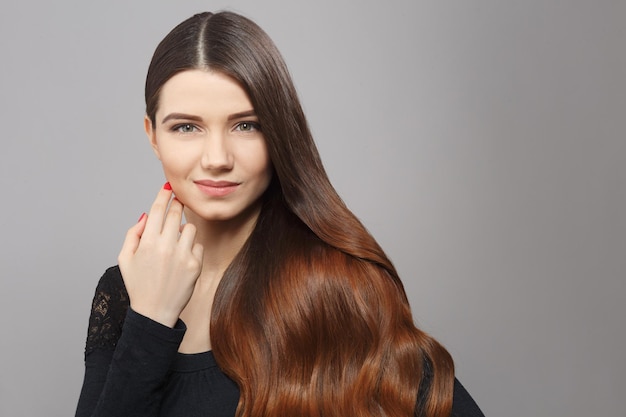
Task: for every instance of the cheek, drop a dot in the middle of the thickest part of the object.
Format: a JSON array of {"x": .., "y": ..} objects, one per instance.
[
  {"x": 264, "y": 166},
  {"x": 266, "y": 176},
  {"x": 177, "y": 159},
  {"x": 170, "y": 165},
  {"x": 175, "y": 171}
]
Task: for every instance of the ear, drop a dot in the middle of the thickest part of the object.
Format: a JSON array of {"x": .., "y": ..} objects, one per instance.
[{"x": 151, "y": 133}]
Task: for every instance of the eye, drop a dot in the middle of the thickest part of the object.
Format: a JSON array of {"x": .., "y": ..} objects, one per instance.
[
  {"x": 184, "y": 128},
  {"x": 247, "y": 127}
]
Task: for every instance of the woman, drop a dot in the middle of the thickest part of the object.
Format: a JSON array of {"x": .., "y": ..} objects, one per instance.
[{"x": 272, "y": 299}]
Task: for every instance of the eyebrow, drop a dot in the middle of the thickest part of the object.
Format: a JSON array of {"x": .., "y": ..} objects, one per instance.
[
  {"x": 183, "y": 116},
  {"x": 241, "y": 115}
]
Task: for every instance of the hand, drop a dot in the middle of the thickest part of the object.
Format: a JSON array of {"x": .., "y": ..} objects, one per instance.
[{"x": 160, "y": 261}]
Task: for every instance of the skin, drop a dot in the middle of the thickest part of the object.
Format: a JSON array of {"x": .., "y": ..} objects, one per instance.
[{"x": 205, "y": 130}]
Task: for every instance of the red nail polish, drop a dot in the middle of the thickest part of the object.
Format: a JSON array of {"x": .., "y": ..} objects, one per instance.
[
  {"x": 141, "y": 218},
  {"x": 167, "y": 186}
]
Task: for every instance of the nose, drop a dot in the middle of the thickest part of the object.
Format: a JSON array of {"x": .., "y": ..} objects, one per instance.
[{"x": 216, "y": 153}]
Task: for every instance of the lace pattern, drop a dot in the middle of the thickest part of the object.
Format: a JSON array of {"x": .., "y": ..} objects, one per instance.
[{"x": 108, "y": 311}]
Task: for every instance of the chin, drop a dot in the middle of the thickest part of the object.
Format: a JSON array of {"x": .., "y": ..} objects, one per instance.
[{"x": 250, "y": 212}]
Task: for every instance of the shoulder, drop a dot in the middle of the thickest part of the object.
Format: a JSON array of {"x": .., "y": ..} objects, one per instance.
[
  {"x": 108, "y": 311},
  {"x": 463, "y": 405}
]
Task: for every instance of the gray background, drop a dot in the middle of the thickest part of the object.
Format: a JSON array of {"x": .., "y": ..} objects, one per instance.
[{"x": 482, "y": 143}]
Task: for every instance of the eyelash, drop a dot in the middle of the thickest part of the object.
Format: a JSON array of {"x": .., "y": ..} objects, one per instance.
[
  {"x": 253, "y": 126},
  {"x": 177, "y": 128}
]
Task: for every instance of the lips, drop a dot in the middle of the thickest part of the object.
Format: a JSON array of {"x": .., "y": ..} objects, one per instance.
[
  {"x": 216, "y": 188},
  {"x": 218, "y": 184}
]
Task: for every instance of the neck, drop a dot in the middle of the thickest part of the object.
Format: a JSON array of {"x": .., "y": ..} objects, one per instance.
[{"x": 222, "y": 240}]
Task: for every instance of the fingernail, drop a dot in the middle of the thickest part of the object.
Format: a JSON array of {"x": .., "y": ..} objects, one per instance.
[
  {"x": 167, "y": 186},
  {"x": 141, "y": 218}
]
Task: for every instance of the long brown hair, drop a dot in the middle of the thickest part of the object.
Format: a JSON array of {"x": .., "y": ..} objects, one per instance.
[{"x": 311, "y": 318}]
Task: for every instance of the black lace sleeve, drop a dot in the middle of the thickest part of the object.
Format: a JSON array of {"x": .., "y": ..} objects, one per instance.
[
  {"x": 108, "y": 311},
  {"x": 127, "y": 357}
]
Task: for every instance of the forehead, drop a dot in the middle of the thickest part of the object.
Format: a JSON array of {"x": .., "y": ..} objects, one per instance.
[{"x": 203, "y": 93}]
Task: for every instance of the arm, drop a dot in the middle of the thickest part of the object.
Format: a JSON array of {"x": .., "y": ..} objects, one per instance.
[
  {"x": 131, "y": 386},
  {"x": 96, "y": 368},
  {"x": 126, "y": 366},
  {"x": 108, "y": 311},
  {"x": 127, "y": 356}
]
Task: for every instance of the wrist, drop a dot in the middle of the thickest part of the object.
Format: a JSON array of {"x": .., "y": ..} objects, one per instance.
[{"x": 158, "y": 315}]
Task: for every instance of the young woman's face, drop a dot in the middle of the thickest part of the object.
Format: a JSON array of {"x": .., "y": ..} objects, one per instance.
[{"x": 209, "y": 141}]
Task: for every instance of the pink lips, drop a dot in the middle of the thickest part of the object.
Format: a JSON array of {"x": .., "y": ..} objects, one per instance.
[{"x": 216, "y": 188}]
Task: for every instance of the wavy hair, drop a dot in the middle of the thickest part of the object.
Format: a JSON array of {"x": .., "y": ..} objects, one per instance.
[{"x": 312, "y": 317}]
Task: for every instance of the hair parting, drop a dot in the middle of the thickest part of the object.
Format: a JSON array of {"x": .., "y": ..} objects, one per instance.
[{"x": 200, "y": 46}]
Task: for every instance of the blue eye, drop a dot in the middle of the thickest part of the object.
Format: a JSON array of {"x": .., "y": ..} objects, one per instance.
[{"x": 184, "y": 128}]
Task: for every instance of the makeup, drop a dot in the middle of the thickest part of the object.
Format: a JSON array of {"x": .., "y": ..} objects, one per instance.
[{"x": 216, "y": 188}]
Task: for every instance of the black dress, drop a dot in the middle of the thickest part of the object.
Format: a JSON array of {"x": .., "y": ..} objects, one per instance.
[{"x": 133, "y": 367}]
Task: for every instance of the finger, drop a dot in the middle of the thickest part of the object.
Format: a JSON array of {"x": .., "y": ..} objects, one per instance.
[
  {"x": 187, "y": 236},
  {"x": 198, "y": 251},
  {"x": 133, "y": 237},
  {"x": 173, "y": 219},
  {"x": 158, "y": 210},
  {"x": 141, "y": 224}
]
